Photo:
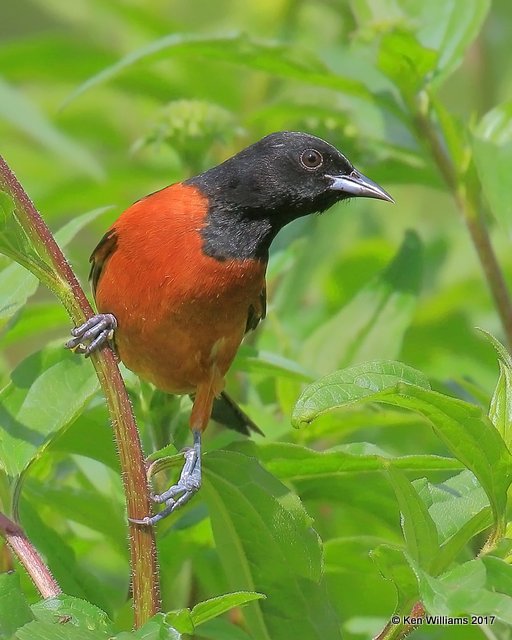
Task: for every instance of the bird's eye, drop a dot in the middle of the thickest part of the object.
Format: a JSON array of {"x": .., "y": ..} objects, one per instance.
[{"x": 311, "y": 159}]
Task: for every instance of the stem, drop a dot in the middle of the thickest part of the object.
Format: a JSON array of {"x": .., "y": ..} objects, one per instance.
[
  {"x": 145, "y": 579},
  {"x": 29, "y": 558},
  {"x": 469, "y": 205},
  {"x": 402, "y": 629}
]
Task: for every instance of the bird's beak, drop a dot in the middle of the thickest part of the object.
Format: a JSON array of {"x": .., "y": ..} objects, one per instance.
[{"x": 356, "y": 185}]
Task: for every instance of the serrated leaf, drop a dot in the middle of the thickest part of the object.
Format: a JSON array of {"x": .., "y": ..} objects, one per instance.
[
  {"x": 14, "y": 609},
  {"x": 469, "y": 435},
  {"x": 266, "y": 544},
  {"x": 463, "y": 427},
  {"x": 503, "y": 353},
  {"x": 373, "y": 323},
  {"x": 74, "y": 610},
  {"x": 351, "y": 385}
]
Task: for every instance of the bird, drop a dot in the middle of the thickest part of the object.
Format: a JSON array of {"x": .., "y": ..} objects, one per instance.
[{"x": 179, "y": 277}]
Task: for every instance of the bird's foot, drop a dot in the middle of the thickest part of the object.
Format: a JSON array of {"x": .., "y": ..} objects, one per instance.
[
  {"x": 180, "y": 493},
  {"x": 96, "y": 331}
]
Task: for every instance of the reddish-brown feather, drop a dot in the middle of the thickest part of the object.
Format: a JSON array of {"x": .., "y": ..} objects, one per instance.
[{"x": 181, "y": 314}]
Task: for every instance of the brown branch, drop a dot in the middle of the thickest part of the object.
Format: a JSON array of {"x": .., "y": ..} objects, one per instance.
[
  {"x": 29, "y": 558},
  {"x": 145, "y": 579}
]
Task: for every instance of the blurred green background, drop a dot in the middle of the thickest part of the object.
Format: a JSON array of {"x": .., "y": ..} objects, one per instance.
[{"x": 238, "y": 71}]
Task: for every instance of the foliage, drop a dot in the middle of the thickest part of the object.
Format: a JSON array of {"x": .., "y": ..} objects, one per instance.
[{"x": 392, "y": 498}]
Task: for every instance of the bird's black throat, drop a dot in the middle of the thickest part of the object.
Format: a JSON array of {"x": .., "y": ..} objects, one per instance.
[
  {"x": 239, "y": 224},
  {"x": 236, "y": 235}
]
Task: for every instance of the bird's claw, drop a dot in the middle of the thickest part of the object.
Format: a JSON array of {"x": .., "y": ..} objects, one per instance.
[
  {"x": 96, "y": 331},
  {"x": 181, "y": 492}
]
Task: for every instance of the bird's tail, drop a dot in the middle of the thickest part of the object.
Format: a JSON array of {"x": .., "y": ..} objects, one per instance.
[{"x": 228, "y": 413}]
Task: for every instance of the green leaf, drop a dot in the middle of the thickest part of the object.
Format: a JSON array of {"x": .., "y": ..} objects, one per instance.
[
  {"x": 291, "y": 461},
  {"x": 17, "y": 284},
  {"x": 500, "y": 410},
  {"x": 463, "y": 590},
  {"x": 406, "y": 62},
  {"x": 267, "y": 545},
  {"x": 49, "y": 631},
  {"x": 435, "y": 34},
  {"x": 419, "y": 529},
  {"x": 449, "y": 27},
  {"x": 214, "y": 607},
  {"x": 74, "y": 610},
  {"x": 460, "y": 508},
  {"x": 468, "y": 434},
  {"x": 14, "y": 241},
  {"x": 373, "y": 323},
  {"x": 254, "y": 361},
  {"x": 503, "y": 353},
  {"x": 499, "y": 575},
  {"x": 360, "y": 382},
  {"x": 181, "y": 620},
  {"x": 14, "y": 609},
  {"x": 492, "y": 150},
  {"x": 463, "y": 427},
  {"x": 40, "y": 401}
]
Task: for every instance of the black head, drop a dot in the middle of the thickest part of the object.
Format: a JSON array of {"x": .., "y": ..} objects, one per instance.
[{"x": 281, "y": 177}]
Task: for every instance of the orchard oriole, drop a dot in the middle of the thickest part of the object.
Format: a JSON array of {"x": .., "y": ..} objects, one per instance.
[{"x": 179, "y": 278}]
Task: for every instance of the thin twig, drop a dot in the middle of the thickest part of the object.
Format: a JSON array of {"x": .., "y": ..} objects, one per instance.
[{"x": 29, "y": 558}]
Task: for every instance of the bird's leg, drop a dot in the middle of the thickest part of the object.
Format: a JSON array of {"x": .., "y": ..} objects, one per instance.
[
  {"x": 187, "y": 485},
  {"x": 97, "y": 330},
  {"x": 190, "y": 477}
]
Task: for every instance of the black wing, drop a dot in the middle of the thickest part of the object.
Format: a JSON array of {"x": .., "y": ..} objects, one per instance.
[
  {"x": 104, "y": 249},
  {"x": 257, "y": 313}
]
